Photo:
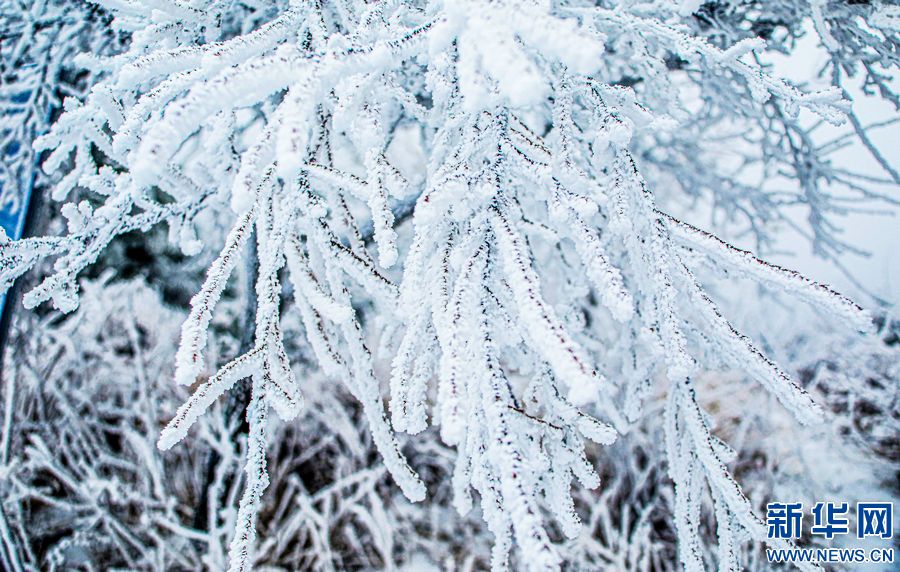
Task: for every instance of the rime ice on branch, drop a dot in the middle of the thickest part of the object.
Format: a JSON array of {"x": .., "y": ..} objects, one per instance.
[{"x": 543, "y": 288}]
